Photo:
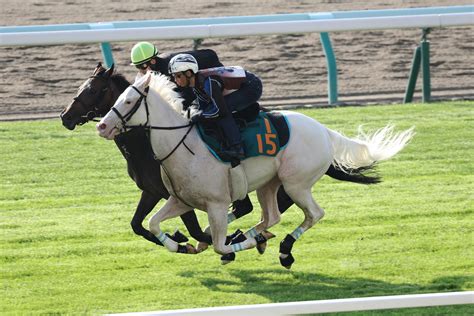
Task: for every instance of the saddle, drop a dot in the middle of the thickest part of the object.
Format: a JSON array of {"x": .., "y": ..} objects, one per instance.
[{"x": 263, "y": 133}]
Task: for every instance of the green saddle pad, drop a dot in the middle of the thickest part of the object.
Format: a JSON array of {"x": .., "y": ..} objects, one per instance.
[{"x": 259, "y": 137}]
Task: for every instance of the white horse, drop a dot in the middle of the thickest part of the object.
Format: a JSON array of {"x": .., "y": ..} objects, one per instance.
[{"x": 194, "y": 177}]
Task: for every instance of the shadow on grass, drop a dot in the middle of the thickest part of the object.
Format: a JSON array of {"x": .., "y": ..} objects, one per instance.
[{"x": 278, "y": 285}]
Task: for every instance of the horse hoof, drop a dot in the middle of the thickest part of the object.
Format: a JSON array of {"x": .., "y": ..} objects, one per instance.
[
  {"x": 268, "y": 235},
  {"x": 286, "y": 260},
  {"x": 191, "y": 250},
  {"x": 261, "y": 248},
  {"x": 227, "y": 258},
  {"x": 201, "y": 246}
]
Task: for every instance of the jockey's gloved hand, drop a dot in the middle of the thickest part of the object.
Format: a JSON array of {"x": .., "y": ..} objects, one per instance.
[{"x": 196, "y": 117}]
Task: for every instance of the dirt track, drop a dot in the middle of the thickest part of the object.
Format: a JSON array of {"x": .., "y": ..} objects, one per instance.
[{"x": 373, "y": 66}]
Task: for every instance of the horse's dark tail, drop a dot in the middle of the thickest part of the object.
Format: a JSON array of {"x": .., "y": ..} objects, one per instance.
[{"x": 363, "y": 175}]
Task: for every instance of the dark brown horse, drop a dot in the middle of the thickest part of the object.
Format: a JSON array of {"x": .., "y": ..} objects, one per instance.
[{"x": 95, "y": 98}]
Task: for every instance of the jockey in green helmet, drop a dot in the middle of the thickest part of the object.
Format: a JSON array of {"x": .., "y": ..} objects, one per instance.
[{"x": 142, "y": 53}]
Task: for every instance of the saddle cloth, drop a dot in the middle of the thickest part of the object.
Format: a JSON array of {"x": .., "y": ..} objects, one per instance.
[{"x": 266, "y": 135}]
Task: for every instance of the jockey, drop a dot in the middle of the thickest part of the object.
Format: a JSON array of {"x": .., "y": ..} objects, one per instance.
[
  {"x": 211, "y": 87},
  {"x": 144, "y": 56}
]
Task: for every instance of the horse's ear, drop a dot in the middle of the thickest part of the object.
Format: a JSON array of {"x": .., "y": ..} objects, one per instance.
[
  {"x": 143, "y": 81},
  {"x": 148, "y": 78},
  {"x": 98, "y": 69},
  {"x": 109, "y": 72}
]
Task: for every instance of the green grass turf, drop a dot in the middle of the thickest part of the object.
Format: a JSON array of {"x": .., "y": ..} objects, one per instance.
[{"x": 67, "y": 247}]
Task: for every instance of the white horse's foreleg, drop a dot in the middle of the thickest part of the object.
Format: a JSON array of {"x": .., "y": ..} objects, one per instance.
[
  {"x": 171, "y": 209},
  {"x": 267, "y": 197},
  {"x": 217, "y": 218}
]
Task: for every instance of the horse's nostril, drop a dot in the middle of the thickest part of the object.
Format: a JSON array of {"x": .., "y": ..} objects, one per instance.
[{"x": 102, "y": 126}]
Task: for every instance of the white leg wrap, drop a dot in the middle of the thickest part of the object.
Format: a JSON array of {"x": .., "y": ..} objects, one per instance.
[
  {"x": 297, "y": 232},
  {"x": 170, "y": 244},
  {"x": 251, "y": 233},
  {"x": 237, "y": 247}
]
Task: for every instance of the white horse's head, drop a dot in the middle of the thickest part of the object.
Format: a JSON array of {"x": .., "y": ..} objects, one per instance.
[{"x": 127, "y": 109}]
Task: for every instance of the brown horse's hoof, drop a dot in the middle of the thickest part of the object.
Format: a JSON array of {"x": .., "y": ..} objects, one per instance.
[
  {"x": 268, "y": 235},
  {"x": 191, "y": 250},
  {"x": 201, "y": 246},
  {"x": 261, "y": 247}
]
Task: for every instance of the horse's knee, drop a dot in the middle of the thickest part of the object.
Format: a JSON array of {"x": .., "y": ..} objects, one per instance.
[{"x": 137, "y": 227}]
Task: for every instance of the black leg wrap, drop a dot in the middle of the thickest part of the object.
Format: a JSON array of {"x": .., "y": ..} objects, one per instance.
[
  {"x": 260, "y": 239},
  {"x": 288, "y": 261},
  {"x": 287, "y": 244},
  {"x": 242, "y": 207},
  {"x": 178, "y": 237},
  {"x": 228, "y": 257},
  {"x": 283, "y": 200},
  {"x": 206, "y": 238},
  {"x": 239, "y": 238},
  {"x": 182, "y": 249},
  {"x": 235, "y": 234}
]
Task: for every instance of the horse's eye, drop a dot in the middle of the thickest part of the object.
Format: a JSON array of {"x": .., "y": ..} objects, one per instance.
[{"x": 128, "y": 102}]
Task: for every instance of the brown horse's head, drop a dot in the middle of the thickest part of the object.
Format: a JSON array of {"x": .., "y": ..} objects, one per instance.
[{"x": 95, "y": 97}]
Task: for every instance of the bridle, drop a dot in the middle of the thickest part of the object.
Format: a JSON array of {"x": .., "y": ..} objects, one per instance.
[
  {"x": 93, "y": 115},
  {"x": 124, "y": 118}
]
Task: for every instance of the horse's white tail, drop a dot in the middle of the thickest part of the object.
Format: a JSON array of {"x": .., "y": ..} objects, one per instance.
[{"x": 367, "y": 149}]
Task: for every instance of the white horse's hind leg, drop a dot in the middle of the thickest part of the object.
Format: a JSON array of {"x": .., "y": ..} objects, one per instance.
[
  {"x": 267, "y": 197},
  {"x": 313, "y": 213}
]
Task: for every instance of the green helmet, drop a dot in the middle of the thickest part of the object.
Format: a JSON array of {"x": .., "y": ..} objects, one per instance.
[{"x": 142, "y": 52}]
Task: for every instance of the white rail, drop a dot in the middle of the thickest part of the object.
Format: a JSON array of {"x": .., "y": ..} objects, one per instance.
[
  {"x": 233, "y": 29},
  {"x": 326, "y": 306}
]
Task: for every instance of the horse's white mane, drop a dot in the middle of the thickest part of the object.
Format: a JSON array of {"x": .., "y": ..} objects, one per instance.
[{"x": 164, "y": 87}]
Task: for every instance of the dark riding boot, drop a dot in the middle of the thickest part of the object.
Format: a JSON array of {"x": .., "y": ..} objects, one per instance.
[
  {"x": 235, "y": 151},
  {"x": 232, "y": 134}
]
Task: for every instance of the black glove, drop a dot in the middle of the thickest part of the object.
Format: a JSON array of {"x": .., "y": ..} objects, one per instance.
[{"x": 196, "y": 117}]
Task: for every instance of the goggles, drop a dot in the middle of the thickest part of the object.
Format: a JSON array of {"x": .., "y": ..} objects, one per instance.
[{"x": 142, "y": 66}]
